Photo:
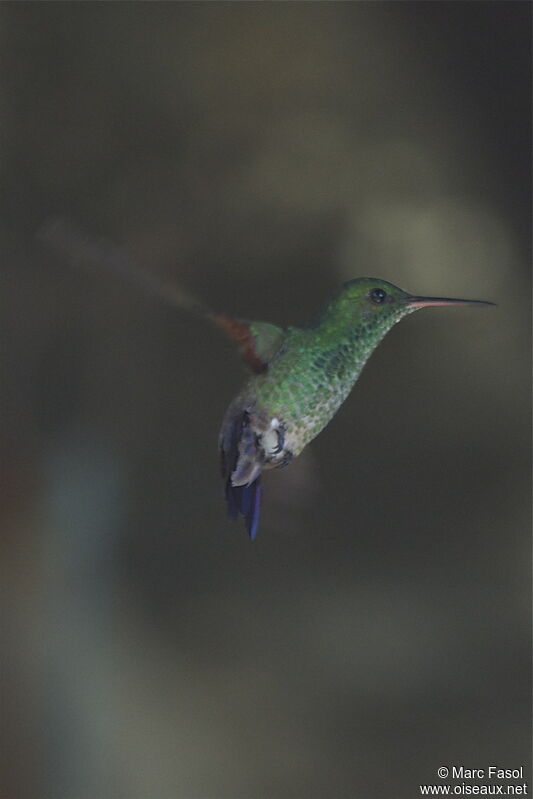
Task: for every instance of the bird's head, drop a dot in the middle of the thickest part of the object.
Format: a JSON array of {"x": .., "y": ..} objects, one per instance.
[
  {"x": 370, "y": 298},
  {"x": 373, "y": 306}
]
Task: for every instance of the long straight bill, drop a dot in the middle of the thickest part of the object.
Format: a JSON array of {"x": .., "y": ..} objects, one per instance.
[{"x": 428, "y": 302}]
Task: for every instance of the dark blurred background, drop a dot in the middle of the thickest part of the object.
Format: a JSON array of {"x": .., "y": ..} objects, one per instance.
[{"x": 258, "y": 154}]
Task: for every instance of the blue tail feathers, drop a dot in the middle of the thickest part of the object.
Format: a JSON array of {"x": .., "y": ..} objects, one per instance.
[{"x": 246, "y": 501}]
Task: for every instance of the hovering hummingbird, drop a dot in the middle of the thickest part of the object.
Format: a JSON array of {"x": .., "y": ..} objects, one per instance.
[{"x": 300, "y": 375}]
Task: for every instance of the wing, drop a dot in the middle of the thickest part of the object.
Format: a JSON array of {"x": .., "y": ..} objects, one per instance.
[{"x": 258, "y": 341}]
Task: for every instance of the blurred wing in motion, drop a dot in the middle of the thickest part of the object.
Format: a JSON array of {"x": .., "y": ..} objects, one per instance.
[
  {"x": 258, "y": 341},
  {"x": 99, "y": 254}
]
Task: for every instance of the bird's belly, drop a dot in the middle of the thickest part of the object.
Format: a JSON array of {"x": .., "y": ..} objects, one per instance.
[
  {"x": 305, "y": 429},
  {"x": 304, "y": 421},
  {"x": 302, "y": 400}
]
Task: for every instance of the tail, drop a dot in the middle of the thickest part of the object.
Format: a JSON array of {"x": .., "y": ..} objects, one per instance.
[
  {"x": 241, "y": 469},
  {"x": 245, "y": 500}
]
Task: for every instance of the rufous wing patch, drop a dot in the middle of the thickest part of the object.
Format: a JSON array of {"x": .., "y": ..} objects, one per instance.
[{"x": 258, "y": 341}]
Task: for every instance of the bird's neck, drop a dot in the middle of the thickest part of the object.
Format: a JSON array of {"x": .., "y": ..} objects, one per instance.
[
  {"x": 351, "y": 330},
  {"x": 342, "y": 340}
]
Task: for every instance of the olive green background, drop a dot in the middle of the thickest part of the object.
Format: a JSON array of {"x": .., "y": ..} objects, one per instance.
[{"x": 258, "y": 154}]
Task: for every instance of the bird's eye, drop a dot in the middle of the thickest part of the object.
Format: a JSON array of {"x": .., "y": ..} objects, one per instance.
[{"x": 377, "y": 295}]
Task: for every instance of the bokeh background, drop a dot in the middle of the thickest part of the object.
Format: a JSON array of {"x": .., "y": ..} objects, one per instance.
[{"x": 258, "y": 154}]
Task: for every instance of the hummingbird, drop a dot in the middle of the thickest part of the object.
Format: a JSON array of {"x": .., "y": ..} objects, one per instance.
[{"x": 300, "y": 376}]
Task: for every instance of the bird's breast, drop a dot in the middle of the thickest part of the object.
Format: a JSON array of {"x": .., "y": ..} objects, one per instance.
[{"x": 302, "y": 390}]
